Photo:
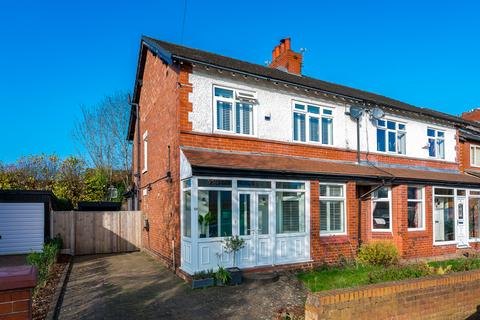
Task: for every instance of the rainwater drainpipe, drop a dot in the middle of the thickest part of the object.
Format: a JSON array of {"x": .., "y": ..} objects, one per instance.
[{"x": 138, "y": 184}]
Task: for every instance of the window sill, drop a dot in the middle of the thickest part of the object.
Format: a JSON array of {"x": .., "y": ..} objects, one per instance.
[
  {"x": 444, "y": 243},
  {"x": 232, "y": 133}
]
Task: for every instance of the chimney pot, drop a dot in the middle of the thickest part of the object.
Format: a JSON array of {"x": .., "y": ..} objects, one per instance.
[{"x": 287, "y": 43}]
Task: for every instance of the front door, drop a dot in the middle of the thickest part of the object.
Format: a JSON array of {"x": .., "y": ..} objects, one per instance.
[
  {"x": 462, "y": 232},
  {"x": 254, "y": 220}
]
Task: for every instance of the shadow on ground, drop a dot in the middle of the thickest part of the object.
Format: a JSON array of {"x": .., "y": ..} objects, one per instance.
[{"x": 134, "y": 286}]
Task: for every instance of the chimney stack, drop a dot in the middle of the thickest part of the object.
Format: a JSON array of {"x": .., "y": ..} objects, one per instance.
[
  {"x": 283, "y": 58},
  {"x": 472, "y": 115}
]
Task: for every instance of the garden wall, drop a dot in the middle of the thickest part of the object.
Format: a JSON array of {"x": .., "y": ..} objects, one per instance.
[{"x": 453, "y": 296}]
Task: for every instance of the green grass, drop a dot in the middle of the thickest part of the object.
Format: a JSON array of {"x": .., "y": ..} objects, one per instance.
[
  {"x": 329, "y": 278},
  {"x": 335, "y": 278}
]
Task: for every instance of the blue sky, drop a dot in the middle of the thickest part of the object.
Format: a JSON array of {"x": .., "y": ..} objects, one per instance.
[{"x": 58, "y": 55}]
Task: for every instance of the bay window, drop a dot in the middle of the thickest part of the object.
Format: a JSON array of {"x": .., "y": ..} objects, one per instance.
[
  {"x": 391, "y": 137},
  {"x": 444, "y": 215},
  {"x": 436, "y": 143},
  {"x": 416, "y": 214},
  {"x": 381, "y": 210},
  {"x": 332, "y": 209},
  {"x": 312, "y": 123},
  {"x": 234, "y": 111}
]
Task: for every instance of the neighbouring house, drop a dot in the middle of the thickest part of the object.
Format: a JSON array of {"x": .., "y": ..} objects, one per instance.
[{"x": 304, "y": 170}]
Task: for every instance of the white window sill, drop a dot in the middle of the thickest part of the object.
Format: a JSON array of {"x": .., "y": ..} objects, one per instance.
[
  {"x": 326, "y": 235},
  {"x": 382, "y": 230},
  {"x": 444, "y": 243},
  {"x": 416, "y": 229},
  {"x": 233, "y": 133}
]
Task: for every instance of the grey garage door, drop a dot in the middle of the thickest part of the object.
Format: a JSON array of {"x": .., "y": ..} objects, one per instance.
[{"x": 21, "y": 227}]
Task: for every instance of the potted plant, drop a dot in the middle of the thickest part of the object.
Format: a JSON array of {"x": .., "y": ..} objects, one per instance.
[
  {"x": 233, "y": 245},
  {"x": 203, "y": 279},
  {"x": 204, "y": 222},
  {"x": 222, "y": 276}
]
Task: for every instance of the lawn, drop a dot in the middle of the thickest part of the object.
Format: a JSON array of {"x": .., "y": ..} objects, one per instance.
[{"x": 328, "y": 278}]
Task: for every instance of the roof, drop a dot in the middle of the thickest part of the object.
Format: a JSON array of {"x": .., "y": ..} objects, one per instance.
[
  {"x": 169, "y": 51},
  {"x": 277, "y": 164}
]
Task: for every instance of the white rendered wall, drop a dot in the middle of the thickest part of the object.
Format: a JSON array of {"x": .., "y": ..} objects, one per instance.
[{"x": 278, "y": 103}]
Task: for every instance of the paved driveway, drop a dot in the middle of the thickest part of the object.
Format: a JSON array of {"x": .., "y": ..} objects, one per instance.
[{"x": 135, "y": 286}]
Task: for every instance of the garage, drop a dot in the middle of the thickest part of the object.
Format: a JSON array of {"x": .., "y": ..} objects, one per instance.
[
  {"x": 24, "y": 220},
  {"x": 21, "y": 227}
]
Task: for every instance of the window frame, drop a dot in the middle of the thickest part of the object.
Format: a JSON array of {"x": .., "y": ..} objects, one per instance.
[
  {"x": 233, "y": 113},
  {"x": 389, "y": 200},
  {"x": 396, "y": 131},
  {"x": 422, "y": 201},
  {"x": 454, "y": 197},
  {"x": 436, "y": 138},
  {"x": 186, "y": 188},
  {"x": 309, "y": 115},
  {"x": 472, "y": 156},
  {"x": 344, "y": 213},
  {"x": 145, "y": 151}
]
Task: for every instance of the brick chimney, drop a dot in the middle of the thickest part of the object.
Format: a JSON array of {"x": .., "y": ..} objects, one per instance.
[
  {"x": 285, "y": 59},
  {"x": 472, "y": 115}
]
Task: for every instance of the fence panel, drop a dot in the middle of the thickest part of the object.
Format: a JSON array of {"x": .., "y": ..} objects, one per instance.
[{"x": 91, "y": 232}]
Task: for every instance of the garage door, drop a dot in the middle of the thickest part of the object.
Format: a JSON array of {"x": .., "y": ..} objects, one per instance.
[{"x": 21, "y": 227}]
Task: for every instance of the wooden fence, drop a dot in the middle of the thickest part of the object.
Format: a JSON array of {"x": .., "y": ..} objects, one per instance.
[{"x": 91, "y": 232}]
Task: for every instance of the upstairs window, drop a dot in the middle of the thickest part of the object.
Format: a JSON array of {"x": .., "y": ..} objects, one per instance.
[
  {"x": 475, "y": 156},
  {"x": 391, "y": 137},
  {"x": 436, "y": 143},
  {"x": 312, "y": 123},
  {"x": 234, "y": 111}
]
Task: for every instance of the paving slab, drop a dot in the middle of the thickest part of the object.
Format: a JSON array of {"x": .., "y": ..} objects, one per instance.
[{"x": 135, "y": 286}]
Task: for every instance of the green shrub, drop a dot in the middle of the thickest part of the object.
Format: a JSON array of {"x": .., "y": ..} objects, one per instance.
[
  {"x": 44, "y": 260},
  {"x": 222, "y": 275},
  {"x": 378, "y": 253},
  {"x": 397, "y": 273}
]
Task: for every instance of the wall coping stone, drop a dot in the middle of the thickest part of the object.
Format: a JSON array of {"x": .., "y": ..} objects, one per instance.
[{"x": 18, "y": 277}]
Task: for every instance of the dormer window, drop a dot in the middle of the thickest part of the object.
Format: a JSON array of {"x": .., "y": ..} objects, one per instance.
[{"x": 234, "y": 111}]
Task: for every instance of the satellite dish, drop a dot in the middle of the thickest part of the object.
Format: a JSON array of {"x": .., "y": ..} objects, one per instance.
[
  {"x": 377, "y": 113},
  {"x": 356, "y": 112}
]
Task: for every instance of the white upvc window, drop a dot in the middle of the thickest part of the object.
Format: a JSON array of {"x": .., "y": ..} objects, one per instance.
[
  {"x": 312, "y": 123},
  {"x": 332, "y": 209},
  {"x": 145, "y": 151},
  {"x": 234, "y": 111},
  {"x": 391, "y": 136},
  {"x": 436, "y": 143},
  {"x": 416, "y": 208},
  {"x": 382, "y": 210},
  {"x": 475, "y": 155}
]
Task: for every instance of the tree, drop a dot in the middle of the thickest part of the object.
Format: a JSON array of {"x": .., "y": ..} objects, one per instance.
[
  {"x": 101, "y": 132},
  {"x": 70, "y": 183}
]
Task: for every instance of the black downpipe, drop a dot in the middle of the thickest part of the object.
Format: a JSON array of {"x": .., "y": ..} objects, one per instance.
[{"x": 137, "y": 198}]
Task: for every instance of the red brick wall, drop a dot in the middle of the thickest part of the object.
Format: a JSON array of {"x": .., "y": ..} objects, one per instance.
[
  {"x": 15, "y": 304},
  {"x": 454, "y": 296},
  {"x": 248, "y": 144},
  {"x": 160, "y": 116}
]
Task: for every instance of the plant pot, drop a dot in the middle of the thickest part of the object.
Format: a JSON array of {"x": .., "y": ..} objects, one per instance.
[
  {"x": 202, "y": 283},
  {"x": 236, "y": 276}
]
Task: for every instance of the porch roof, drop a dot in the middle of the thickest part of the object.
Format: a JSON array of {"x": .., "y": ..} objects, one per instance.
[{"x": 207, "y": 161}]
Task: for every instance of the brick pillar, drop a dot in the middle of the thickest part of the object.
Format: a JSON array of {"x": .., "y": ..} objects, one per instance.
[{"x": 16, "y": 286}]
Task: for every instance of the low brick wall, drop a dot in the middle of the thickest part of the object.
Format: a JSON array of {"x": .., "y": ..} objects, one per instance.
[
  {"x": 453, "y": 296},
  {"x": 16, "y": 286}
]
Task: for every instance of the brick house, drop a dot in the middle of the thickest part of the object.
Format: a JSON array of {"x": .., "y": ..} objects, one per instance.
[{"x": 304, "y": 170}]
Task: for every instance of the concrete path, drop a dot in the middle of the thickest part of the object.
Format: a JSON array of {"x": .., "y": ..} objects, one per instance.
[{"x": 135, "y": 286}]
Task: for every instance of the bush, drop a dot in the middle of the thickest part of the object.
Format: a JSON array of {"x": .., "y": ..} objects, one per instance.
[
  {"x": 397, "y": 273},
  {"x": 44, "y": 260},
  {"x": 378, "y": 253}
]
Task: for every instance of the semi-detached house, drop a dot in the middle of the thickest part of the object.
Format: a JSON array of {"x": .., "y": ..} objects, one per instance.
[{"x": 304, "y": 170}]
